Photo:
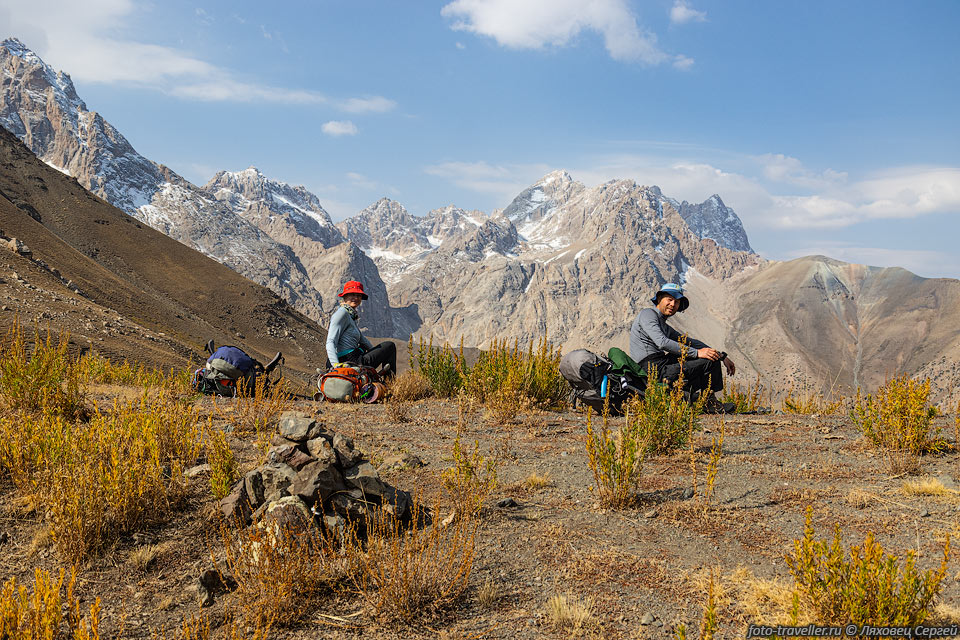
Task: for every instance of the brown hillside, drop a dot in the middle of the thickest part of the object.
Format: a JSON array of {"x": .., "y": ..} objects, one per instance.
[{"x": 137, "y": 286}]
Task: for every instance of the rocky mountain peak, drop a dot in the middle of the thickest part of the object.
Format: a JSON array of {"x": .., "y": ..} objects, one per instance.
[{"x": 712, "y": 219}]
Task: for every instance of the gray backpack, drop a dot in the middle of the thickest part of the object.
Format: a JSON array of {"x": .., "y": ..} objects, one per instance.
[{"x": 584, "y": 371}]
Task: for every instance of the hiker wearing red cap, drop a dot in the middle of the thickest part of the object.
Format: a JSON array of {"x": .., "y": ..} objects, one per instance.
[{"x": 345, "y": 343}]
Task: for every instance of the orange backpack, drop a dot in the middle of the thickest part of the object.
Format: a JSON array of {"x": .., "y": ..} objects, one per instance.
[{"x": 350, "y": 384}]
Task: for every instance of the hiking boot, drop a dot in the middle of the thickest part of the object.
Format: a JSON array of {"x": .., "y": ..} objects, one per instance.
[{"x": 713, "y": 405}]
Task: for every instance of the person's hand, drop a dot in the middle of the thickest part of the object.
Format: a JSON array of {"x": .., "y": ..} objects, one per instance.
[
  {"x": 731, "y": 368},
  {"x": 708, "y": 353}
]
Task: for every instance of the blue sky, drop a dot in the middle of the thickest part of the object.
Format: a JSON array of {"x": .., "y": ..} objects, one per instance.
[{"x": 831, "y": 127}]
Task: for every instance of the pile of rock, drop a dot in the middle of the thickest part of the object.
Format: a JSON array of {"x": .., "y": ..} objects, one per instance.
[{"x": 316, "y": 476}]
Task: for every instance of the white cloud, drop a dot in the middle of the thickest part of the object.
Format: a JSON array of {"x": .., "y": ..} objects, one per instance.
[
  {"x": 339, "y": 128},
  {"x": 503, "y": 182},
  {"x": 361, "y": 181},
  {"x": 81, "y": 39},
  {"x": 536, "y": 24},
  {"x": 681, "y": 13},
  {"x": 376, "y": 104},
  {"x": 780, "y": 168},
  {"x": 682, "y": 62}
]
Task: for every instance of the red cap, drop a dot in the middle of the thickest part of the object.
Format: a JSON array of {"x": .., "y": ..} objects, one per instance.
[{"x": 352, "y": 287}]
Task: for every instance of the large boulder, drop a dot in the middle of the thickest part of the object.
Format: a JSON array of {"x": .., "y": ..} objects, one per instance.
[{"x": 297, "y": 426}]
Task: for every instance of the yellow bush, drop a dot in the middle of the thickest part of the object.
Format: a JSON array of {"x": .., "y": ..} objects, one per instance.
[
  {"x": 41, "y": 378},
  {"x": 26, "y": 614},
  {"x": 100, "y": 480},
  {"x": 471, "y": 478},
  {"x": 616, "y": 460},
  {"x": 898, "y": 419},
  {"x": 223, "y": 463},
  {"x": 869, "y": 587}
]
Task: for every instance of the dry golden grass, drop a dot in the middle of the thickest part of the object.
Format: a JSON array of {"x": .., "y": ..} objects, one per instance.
[
  {"x": 568, "y": 613},
  {"x": 257, "y": 412},
  {"x": 406, "y": 575},
  {"x": 145, "y": 557},
  {"x": 859, "y": 499},
  {"x": 409, "y": 386},
  {"x": 536, "y": 482},
  {"x": 926, "y": 487},
  {"x": 761, "y": 601},
  {"x": 489, "y": 594}
]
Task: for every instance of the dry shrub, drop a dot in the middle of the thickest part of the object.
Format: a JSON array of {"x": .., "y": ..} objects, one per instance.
[
  {"x": 197, "y": 627},
  {"x": 569, "y": 613},
  {"x": 256, "y": 411},
  {"x": 444, "y": 368},
  {"x": 871, "y": 587},
  {"x": 807, "y": 401},
  {"x": 471, "y": 479},
  {"x": 409, "y": 386},
  {"x": 709, "y": 624},
  {"x": 860, "y": 499},
  {"x": 41, "y": 377},
  {"x": 504, "y": 374},
  {"x": 748, "y": 398},
  {"x": 98, "y": 481},
  {"x": 716, "y": 452},
  {"x": 898, "y": 420},
  {"x": 397, "y": 411},
  {"x": 616, "y": 460},
  {"x": 223, "y": 463},
  {"x": 280, "y": 573},
  {"x": 45, "y": 611},
  {"x": 409, "y": 574},
  {"x": 663, "y": 416}
]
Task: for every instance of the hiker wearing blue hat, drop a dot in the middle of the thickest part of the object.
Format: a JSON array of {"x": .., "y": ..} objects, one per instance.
[{"x": 654, "y": 343}]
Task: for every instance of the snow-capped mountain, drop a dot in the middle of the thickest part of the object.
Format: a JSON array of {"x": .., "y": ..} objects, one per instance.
[
  {"x": 713, "y": 219},
  {"x": 42, "y": 108},
  {"x": 269, "y": 203}
]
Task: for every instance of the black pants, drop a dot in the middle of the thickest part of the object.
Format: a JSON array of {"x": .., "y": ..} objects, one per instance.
[
  {"x": 699, "y": 374},
  {"x": 384, "y": 353}
]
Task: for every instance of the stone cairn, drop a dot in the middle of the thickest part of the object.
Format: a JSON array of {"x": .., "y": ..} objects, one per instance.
[{"x": 314, "y": 476}]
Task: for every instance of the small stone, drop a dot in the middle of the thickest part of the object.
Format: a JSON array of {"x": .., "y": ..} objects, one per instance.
[
  {"x": 401, "y": 462},
  {"x": 4, "y": 537},
  {"x": 364, "y": 477},
  {"x": 650, "y": 514},
  {"x": 348, "y": 455},
  {"x": 296, "y": 426},
  {"x": 507, "y": 503},
  {"x": 688, "y": 493},
  {"x": 208, "y": 584},
  {"x": 924, "y": 514},
  {"x": 647, "y": 619}
]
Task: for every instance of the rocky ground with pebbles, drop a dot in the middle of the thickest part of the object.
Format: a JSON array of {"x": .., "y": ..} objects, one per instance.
[{"x": 639, "y": 572}]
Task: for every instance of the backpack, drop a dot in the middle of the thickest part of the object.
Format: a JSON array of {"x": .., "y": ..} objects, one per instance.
[
  {"x": 228, "y": 370},
  {"x": 585, "y": 371},
  {"x": 593, "y": 378},
  {"x": 350, "y": 384}
]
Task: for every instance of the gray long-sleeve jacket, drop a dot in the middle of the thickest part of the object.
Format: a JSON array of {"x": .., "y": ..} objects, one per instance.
[
  {"x": 344, "y": 335},
  {"x": 650, "y": 334}
]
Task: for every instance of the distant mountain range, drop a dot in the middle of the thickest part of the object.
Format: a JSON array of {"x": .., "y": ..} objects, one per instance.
[{"x": 562, "y": 259}]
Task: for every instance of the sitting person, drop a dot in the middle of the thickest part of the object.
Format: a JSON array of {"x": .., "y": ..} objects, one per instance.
[
  {"x": 653, "y": 343},
  {"x": 345, "y": 343}
]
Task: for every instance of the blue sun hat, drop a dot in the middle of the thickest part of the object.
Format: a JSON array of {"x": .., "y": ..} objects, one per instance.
[{"x": 674, "y": 291}]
